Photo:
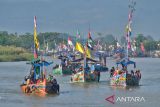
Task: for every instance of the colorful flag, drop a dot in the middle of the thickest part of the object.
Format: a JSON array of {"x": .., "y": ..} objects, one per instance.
[
  {"x": 88, "y": 53},
  {"x": 142, "y": 47},
  {"x": 36, "y": 43},
  {"x": 70, "y": 41},
  {"x": 35, "y": 34},
  {"x": 118, "y": 45},
  {"x": 128, "y": 30},
  {"x": 128, "y": 42},
  {"x": 78, "y": 34},
  {"x": 130, "y": 16},
  {"x": 79, "y": 47},
  {"x": 98, "y": 46},
  {"x": 90, "y": 42}
]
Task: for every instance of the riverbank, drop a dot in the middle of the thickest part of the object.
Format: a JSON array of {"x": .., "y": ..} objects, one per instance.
[{"x": 12, "y": 53}]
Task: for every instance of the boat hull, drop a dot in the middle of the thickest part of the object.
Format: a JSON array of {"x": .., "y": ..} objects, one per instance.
[
  {"x": 62, "y": 71},
  {"x": 40, "y": 89},
  {"x": 124, "y": 80},
  {"x": 84, "y": 77}
]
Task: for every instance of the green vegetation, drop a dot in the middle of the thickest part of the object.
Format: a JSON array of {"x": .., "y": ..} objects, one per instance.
[
  {"x": 12, "y": 53},
  {"x": 26, "y": 40},
  {"x": 14, "y": 47},
  {"x": 10, "y": 43},
  {"x": 149, "y": 43}
]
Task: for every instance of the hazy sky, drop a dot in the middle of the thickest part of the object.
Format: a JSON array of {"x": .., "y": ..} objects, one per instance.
[{"x": 106, "y": 16}]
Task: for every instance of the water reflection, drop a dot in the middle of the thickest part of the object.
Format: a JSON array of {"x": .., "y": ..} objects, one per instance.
[{"x": 127, "y": 88}]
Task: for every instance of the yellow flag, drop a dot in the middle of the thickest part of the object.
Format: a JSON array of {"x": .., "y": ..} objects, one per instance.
[
  {"x": 79, "y": 47},
  {"x": 35, "y": 35},
  {"x": 127, "y": 28},
  {"x": 88, "y": 53}
]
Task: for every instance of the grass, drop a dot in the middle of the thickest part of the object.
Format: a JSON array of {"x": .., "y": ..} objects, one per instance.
[{"x": 12, "y": 53}]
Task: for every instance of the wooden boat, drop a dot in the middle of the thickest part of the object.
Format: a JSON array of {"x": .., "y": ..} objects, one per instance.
[
  {"x": 36, "y": 82},
  {"x": 87, "y": 69},
  {"x": 123, "y": 78},
  {"x": 64, "y": 68},
  {"x": 86, "y": 73}
]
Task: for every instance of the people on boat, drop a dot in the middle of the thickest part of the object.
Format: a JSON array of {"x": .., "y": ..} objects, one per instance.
[
  {"x": 92, "y": 68},
  {"x": 132, "y": 73},
  {"x": 112, "y": 71},
  {"x": 99, "y": 75},
  {"x": 138, "y": 74},
  {"x": 50, "y": 78},
  {"x": 53, "y": 81},
  {"x": 55, "y": 85},
  {"x": 56, "y": 66}
]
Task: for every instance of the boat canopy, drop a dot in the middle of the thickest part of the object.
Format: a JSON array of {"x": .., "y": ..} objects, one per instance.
[
  {"x": 100, "y": 68},
  {"x": 126, "y": 63},
  {"x": 43, "y": 63},
  {"x": 101, "y": 53},
  {"x": 119, "y": 50},
  {"x": 88, "y": 59}
]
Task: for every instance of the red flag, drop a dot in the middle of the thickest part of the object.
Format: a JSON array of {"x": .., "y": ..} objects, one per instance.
[
  {"x": 70, "y": 41},
  {"x": 130, "y": 16},
  {"x": 89, "y": 35},
  {"x": 142, "y": 47}
]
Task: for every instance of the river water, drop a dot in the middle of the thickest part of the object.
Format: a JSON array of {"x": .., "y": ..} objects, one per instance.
[{"x": 81, "y": 94}]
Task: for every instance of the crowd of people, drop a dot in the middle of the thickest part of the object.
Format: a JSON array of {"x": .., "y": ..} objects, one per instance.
[{"x": 137, "y": 73}]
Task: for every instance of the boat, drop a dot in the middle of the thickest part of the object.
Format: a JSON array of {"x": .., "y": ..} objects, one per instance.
[
  {"x": 64, "y": 68},
  {"x": 121, "y": 77},
  {"x": 37, "y": 82},
  {"x": 87, "y": 70}
]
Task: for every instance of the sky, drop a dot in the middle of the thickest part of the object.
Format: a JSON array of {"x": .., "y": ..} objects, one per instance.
[{"x": 66, "y": 16}]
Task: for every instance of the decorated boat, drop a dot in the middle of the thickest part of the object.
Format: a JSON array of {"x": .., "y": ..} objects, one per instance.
[
  {"x": 121, "y": 77},
  {"x": 64, "y": 68},
  {"x": 37, "y": 82},
  {"x": 87, "y": 69}
]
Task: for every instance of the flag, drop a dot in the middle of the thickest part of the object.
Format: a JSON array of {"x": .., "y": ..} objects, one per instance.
[
  {"x": 64, "y": 46},
  {"x": 70, "y": 41},
  {"x": 128, "y": 42},
  {"x": 128, "y": 30},
  {"x": 129, "y": 45},
  {"x": 130, "y": 16},
  {"x": 78, "y": 34},
  {"x": 98, "y": 46},
  {"x": 79, "y": 47},
  {"x": 118, "y": 45},
  {"x": 90, "y": 41},
  {"x": 134, "y": 45},
  {"x": 35, "y": 34},
  {"x": 88, "y": 53},
  {"x": 142, "y": 47},
  {"x": 36, "y": 43}
]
